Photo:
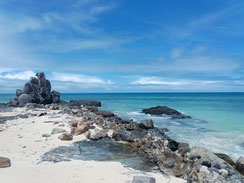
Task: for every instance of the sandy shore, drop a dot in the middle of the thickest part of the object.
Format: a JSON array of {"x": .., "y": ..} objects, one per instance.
[{"x": 22, "y": 142}]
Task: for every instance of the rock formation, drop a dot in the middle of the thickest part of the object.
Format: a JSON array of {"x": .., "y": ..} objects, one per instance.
[
  {"x": 164, "y": 110},
  {"x": 37, "y": 90}
]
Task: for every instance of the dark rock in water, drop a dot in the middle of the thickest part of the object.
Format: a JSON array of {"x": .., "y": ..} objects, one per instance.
[
  {"x": 85, "y": 103},
  {"x": 164, "y": 110},
  {"x": 106, "y": 113},
  {"x": 240, "y": 165},
  {"x": 4, "y": 162},
  {"x": 143, "y": 179},
  {"x": 37, "y": 90},
  {"x": 226, "y": 158},
  {"x": 146, "y": 124}
]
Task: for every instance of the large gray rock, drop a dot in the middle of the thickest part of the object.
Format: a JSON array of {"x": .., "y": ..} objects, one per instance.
[
  {"x": 37, "y": 90},
  {"x": 146, "y": 124},
  {"x": 24, "y": 99},
  {"x": 143, "y": 179},
  {"x": 4, "y": 162},
  {"x": 98, "y": 134}
]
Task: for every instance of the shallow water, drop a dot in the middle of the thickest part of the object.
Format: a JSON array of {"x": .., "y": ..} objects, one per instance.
[{"x": 218, "y": 118}]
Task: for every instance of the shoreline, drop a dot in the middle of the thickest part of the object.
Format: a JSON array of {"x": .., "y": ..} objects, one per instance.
[{"x": 74, "y": 113}]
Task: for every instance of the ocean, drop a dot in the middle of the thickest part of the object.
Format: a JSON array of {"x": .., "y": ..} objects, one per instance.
[{"x": 217, "y": 118}]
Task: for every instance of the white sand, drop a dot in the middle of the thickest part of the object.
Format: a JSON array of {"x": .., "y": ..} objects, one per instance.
[{"x": 22, "y": 142}]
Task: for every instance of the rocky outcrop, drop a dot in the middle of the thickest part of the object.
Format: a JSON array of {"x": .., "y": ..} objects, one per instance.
[
  {"x": 164, "y": 110},
  {"x": 37, "y": 90},
  {"x": 4, "y": 162}
]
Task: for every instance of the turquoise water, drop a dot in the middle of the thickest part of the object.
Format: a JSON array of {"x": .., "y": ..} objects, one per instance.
[{"x": 218, "y": 118}]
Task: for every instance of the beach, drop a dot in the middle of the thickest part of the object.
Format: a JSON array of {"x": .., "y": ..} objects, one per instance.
[{"x": 24, "y": 145}]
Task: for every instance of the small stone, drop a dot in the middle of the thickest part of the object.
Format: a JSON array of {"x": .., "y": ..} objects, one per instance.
[
  {"x": 46, "y": 135},
  {"x": 66, "y": 136},
  {"x": 75, "y": 123},
  {"x": 58, "y": 130},
  {"x": 143, "y": 179},
  {"x": 4, "y": 162},
  {"x": 216, "y": 165},
  {"x": 42, "y": 114}
]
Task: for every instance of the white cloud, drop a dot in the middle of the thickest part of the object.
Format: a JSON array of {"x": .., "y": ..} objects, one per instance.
[
  {"x": 78, "y": 78},
  {"x": 25, "y": 75},
  {"x": 154, "y": 81}
]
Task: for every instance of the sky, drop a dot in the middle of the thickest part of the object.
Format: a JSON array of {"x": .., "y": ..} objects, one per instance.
[{"x": 123, "y": 45}]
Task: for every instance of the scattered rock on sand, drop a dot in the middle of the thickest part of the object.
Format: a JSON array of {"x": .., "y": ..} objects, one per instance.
[
  {"x": 98, "y": 134},
  {"x": 81, "y": 129},
  {"x": 58, "y": 130},
  {"x": 46, "y": 135},
  {"x": 143, "y": 179},
  {"x": 240, "y": 165},
  {"x": 4, "y": 162},
  {"x": 146, "y": 124},
  {"x": 66, "y": 136}
]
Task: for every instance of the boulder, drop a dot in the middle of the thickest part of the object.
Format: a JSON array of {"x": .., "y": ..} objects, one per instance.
[
  {"x": 66, "y": 136},
  {"x": 164, "y": 110},
  {"x": 143, "y": 179},
  {"x": 106, "y": 114},
  {"x": 98, "y": 134},
  {"x": 146, "y": 124},
  {"x": 121, "y": 135},
  {"x": 24, "y": 99},
  {"x": 240, "y": 165},
  {"x": 81, "y": 129},
  {"x": 58, "y": 130},
  {"x": 55, "y": 96},
  {"x": 85, "y": 103},
  {"x": 4, "y": 162}
]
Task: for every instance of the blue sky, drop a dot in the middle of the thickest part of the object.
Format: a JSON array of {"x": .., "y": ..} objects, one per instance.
[{"x": 123, "y": 45}]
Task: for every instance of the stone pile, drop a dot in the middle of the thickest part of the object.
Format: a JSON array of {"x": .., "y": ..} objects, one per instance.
[{"x": 37, "y": 90}]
